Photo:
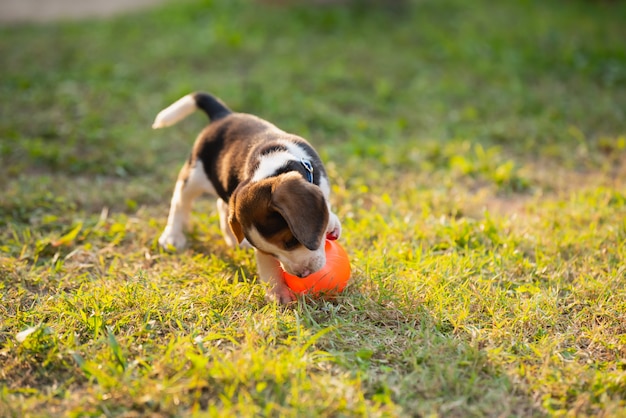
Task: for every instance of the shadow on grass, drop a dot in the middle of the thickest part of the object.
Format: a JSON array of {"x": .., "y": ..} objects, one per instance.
[{"x": 403, "y": 355}]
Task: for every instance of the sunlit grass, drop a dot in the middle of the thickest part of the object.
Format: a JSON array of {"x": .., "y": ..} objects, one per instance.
[{"x": 477, "y": 159}]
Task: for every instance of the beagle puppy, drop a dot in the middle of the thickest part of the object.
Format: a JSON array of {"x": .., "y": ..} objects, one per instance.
[{"x": 271, "y": 187}]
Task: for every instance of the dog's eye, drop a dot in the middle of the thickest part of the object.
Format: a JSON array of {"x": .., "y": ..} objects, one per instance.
[{"x": 292, "y": 243}]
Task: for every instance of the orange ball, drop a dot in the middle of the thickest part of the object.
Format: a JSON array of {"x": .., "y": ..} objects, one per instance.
[{"x": 332, "y": 278}]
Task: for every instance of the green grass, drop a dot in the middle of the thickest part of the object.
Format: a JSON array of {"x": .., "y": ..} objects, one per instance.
[{"x": 477, "y": 153}]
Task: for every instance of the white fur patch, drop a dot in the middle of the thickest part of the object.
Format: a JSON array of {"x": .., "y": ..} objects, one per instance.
[
  {"x": 325, "y": 186},
  {"x": 175, "y": 112},
  {"x": 299, "y": 262},
  {"x": 198, "y": 182},
  {"x": 270, "y": 163}
]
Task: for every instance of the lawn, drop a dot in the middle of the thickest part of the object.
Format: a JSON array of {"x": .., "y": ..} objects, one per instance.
[{"x": 477, "y": 152}]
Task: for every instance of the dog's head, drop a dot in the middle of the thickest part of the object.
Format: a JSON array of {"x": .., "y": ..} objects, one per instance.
[{"x": 284, "y": 216}]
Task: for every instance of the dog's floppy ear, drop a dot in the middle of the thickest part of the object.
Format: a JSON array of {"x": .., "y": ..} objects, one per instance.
[
  {"x": 234, "y": 224},
  {"x": 303, "y": 206}
]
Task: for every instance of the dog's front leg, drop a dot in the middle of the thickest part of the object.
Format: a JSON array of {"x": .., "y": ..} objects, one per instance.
[{"x": 271, "y": 273}]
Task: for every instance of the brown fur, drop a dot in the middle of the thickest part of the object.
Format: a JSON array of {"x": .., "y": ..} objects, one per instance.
[
  {"x": 256, "y": 205},
  {"x": 306, "y": 221}
]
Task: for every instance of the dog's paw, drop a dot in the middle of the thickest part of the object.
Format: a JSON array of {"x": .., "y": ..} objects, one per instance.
[
  {"x": 333, "y": 231},
  {"x": 281, "y": 294},
  {"x": 172, "y": 239}
]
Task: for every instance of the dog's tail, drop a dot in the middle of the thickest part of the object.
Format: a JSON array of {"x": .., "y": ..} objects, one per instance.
[{"x": 183, "y": 107}]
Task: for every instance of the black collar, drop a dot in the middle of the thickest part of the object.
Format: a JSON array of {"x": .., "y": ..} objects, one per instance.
[{"x": 309, "y": 169}]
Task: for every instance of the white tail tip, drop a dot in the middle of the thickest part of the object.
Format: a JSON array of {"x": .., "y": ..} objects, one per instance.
[{"x": 175, "y": 112}]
